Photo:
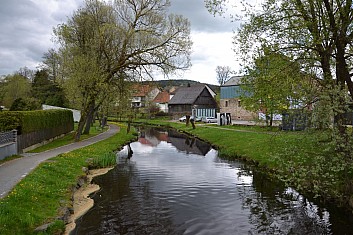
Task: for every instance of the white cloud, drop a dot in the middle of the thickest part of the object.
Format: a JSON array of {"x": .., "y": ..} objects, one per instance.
[{"x": 209, "y": 51}]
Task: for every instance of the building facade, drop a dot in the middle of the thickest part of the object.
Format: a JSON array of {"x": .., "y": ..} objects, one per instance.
[
  {"x": 194, "y": 100},
  {"x": 230, "y": 101}
]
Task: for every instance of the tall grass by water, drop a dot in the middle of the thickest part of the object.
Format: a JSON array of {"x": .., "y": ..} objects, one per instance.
[{"x": 105, "y": 160}]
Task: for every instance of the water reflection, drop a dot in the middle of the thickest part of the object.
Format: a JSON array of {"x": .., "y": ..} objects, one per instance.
[
  {"x": 167, "y": 188},
  {"x": 182, "y": 142}
]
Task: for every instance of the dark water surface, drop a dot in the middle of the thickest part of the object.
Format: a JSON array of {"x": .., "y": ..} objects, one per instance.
[{"x": 177, "y": 185}]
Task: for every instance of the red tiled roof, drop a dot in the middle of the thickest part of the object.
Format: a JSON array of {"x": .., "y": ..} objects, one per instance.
[
  {"x": 162, "y": 97},
  {"x": 141, "y": 90}
]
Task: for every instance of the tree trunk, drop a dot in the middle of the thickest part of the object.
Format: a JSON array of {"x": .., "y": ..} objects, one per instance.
[
  {"x": 128, "y": 125},
  {"x": 187, "y": 120},
  {"x": 193, "y": 123},
  {"x": 90, "y": 118},
  {"x": 83, "y": 120},
  {"x": 81, "y": 124}
]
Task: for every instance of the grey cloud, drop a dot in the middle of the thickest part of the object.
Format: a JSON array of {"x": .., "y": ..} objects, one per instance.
[
  {"x": 26, "y": 29},
  {"x": 201, "y": 20}
]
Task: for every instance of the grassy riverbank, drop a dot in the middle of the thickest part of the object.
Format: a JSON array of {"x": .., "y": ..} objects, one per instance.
[
  {"x": 305, "y": 160},
  {"x": 43, "y": 196}
]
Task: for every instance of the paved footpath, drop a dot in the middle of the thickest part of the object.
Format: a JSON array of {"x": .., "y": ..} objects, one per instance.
[{"x": 12, "y": 172}]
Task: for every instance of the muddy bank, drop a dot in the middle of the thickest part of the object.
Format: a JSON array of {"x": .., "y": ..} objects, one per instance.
[{"x": 82, "y": 203}]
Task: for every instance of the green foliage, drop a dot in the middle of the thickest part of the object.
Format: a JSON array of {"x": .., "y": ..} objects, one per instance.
[
  {"x": 47, "y": 91},
  {"x": 275, "y": 84},
  {"x": 125, "y": 40},
  {"x": 14, "y": 87},
  {"x": 10, "y": 120},
  {"x": 25, "y": 104},
  {"x": 30, "y": 121}
]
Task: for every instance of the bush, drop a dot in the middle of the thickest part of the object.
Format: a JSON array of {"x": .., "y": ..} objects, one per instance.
[{"x": 31, "y": 121}]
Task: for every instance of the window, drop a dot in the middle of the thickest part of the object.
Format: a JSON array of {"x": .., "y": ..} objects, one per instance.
[
  {"x": 239, "y": 103},
  {"x": 226, "y": 103}
]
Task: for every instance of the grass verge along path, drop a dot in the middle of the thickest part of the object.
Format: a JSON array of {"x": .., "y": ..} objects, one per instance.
[
  {"x": 43, "y": 196},
  {"x": 69, "y": 138}
]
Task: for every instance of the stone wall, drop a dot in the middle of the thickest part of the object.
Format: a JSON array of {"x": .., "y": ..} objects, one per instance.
[{"x": 234, "y": 107}]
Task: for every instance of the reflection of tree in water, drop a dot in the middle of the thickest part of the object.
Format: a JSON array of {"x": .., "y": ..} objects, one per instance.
[
  {"x": 126, "y": 204},
  {"x": 279, "y": 210}
]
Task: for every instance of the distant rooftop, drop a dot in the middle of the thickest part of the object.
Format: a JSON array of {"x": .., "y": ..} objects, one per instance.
[{"x": 233, "y": 81}]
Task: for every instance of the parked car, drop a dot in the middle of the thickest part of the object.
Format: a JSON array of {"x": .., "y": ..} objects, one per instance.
[
  {"x": 183, "y": 119},
  {"x": 209, "y": 119}
]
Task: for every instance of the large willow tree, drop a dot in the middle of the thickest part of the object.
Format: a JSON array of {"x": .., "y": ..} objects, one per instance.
[{"x": 120, "y": 40}]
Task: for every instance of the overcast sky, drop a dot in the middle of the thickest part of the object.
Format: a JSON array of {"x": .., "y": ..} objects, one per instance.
[{"x": 26, "y": 28}]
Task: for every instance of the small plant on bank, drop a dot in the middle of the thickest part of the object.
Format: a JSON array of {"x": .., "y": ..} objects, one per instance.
[{"x": 105, "y": 160}]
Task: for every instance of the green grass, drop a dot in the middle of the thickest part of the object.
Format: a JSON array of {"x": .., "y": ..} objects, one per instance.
[
  {"x": 103, "y": 161},
  {"x": 37, "y": 199},
  {"x": 68, "y": 139}
]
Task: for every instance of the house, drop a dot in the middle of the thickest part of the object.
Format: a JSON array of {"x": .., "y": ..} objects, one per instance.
[
  {"x": 162, "y": 100},
  {"x": 193, "y": 100},
  {"x": 143, "y": 94},
  {"x": 230, "y": 101}
]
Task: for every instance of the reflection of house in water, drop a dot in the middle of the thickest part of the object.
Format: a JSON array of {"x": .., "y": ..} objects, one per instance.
[
  {"x": 152, "y": 137},
  {"x": 147, "y": 139},
  {"x": 182, "y": 142},
  {"x": 188, "y": 144}
]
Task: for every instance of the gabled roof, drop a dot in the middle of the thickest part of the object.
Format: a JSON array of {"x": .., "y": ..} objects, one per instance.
[
  {"x": 140, "y": 90},
  {"x": 233, "y": 81},
  {"x": 162, "y": 97},
  {"x": 187, "y": 95}
]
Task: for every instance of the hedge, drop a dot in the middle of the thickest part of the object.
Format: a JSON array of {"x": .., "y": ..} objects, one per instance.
[{"x": 31, "y": 121}]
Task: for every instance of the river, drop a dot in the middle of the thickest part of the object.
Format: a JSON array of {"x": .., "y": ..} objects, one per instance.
[{"x": 175, "y": 184}]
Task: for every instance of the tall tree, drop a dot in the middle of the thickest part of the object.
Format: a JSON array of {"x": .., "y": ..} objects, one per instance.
[
  {"x": 223, "y": 74},
  {"x": 52, "y": 64},
  {"x": 104, "y": 40},
  {"x": 26, "y": 72},
  {"x": 276, "y": 84},
  {"x": 15, "y": 86},
  {"x": 47, "y": 91},
  {"x": 317, "y": 33}
]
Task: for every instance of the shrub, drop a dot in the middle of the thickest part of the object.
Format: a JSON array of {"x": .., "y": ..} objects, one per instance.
[{"x": 31, "y": 121}]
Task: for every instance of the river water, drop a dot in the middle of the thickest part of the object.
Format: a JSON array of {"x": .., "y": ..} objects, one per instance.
[{"x": 174, "y": 184}]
